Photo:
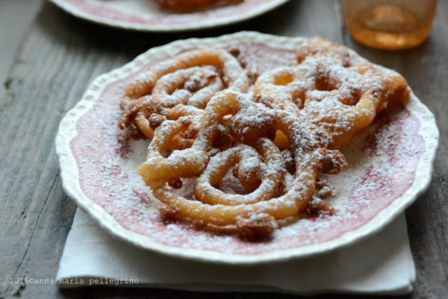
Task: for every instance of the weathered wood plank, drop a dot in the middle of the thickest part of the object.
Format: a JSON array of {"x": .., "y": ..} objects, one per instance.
[
  {"x": 16, "y": 26},
  {"x": 52, "y": 69}
]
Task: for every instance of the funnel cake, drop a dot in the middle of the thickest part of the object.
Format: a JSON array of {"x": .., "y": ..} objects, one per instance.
[
  {"x": 191, "y": 78},
  {"x": 271, "y": 142}
]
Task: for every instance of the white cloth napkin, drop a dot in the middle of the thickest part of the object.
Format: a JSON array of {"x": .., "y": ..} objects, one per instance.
[{"x": 381, "y": 264}]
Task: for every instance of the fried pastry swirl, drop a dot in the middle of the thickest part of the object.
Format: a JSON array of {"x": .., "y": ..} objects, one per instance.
[
  {"x": 331, "y": 92},
  {"x": 272, "y": 195},
  {"x": 190, "y": 78},
  {"x": 229, "y": 157}
]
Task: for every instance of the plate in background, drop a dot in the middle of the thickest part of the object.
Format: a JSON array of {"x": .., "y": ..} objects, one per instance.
[{"x": 146, "y": 15}]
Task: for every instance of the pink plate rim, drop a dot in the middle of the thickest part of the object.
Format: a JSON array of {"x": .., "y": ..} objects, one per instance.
[
  {"x": 70, "y": 177},
  {"x": 99, "y": 13}
]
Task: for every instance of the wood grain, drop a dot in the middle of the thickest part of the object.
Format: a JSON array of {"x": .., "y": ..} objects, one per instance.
[
  {"x": 16, "y": 27},
  {"x": 60, "y": 55}
]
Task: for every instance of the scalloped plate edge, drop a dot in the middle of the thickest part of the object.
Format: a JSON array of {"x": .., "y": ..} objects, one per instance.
[{"x": 70, "y": 178}]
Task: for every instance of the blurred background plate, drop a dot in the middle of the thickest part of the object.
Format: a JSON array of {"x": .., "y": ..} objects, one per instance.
[{"x": 146, "y": 15}]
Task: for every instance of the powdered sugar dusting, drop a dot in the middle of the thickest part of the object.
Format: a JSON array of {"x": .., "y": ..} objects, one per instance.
[{"x": 382, "y": 162}]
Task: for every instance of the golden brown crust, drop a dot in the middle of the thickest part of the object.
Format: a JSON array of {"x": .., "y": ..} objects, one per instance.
[{"x": 272, "y": 146}]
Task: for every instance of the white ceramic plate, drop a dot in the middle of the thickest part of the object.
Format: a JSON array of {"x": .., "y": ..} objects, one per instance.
[
  {"x": 146, "y": 15},
  {"x": 389, "y": 166}
]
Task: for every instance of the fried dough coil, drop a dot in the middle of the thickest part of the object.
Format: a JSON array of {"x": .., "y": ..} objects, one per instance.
[
  {"x": 193, "y": 86},
  {"x": 161, "y": 164},
  {"x": 226, "y": 158},
  {"x": 325, "y": 50},
  {"x": 234, "y": 76},
  {"x": 244, "y": 212},
  {"x": 190, "y": 78},
  {"x": 352, "y": 98},
  {"x": 270, "y": 174},
  {"x": 283, "y": 88},
  {"x": 189, "y": 161},
  {"x": 343, "y": 100}
]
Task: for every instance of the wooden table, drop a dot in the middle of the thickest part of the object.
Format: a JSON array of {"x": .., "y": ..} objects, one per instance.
[{"x": 60, "y": 55}]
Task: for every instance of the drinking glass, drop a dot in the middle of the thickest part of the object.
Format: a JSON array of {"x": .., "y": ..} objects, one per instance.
[{"x": 389, "y": 24}]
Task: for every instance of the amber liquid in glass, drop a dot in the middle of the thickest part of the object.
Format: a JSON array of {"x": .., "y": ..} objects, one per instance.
[{"x": 388, "y": 26}]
